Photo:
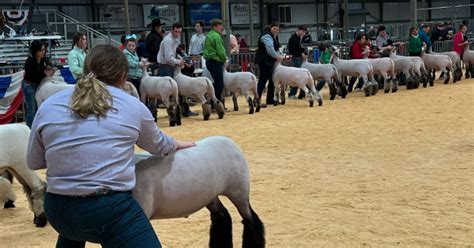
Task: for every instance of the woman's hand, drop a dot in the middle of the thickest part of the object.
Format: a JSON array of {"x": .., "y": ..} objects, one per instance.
[{"x": 184, "y": 144}]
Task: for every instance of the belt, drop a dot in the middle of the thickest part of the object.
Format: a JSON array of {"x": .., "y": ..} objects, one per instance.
[
  {"x": 99, "y": 192},
  {"x": 168, "y": 66}
]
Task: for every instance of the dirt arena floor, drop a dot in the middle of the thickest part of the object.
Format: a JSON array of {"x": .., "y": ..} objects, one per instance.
[{"x": 389, "y": 170}]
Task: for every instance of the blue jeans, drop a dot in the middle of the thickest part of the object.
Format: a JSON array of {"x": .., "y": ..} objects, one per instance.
[
  {"x": 216, "y": 69},
  {"x": 112, "y": 220},
  {"x": 29, "y": 92},
  {"x": 166, "y": 71}
]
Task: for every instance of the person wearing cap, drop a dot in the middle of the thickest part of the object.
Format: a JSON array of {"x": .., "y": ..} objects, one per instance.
[
  {"x": 167, "y": 59},
  {"x": 266, "y": 56},
  {"x": 215, "y": 54},
  {"x": 298, "y": 54},
  {"x": 423, "y": 33},
  {"x": 153, "y": 41},
  {"x": 197, "y": 40}
]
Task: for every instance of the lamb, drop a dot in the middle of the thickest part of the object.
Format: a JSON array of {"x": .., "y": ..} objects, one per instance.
[
  {"x": 438, "y": 62},
  {"x": 296, "y": 77},
  {"x": 48, "y": 87},
  {"x": 163, "y": 88},
  {"x": 241, "y": 82},
  {"x": 14, "y": 144},
  {"x": 330, "y": 74},
  {"x": 130, "y": 89},
  {"x": 405, "y": 65},
  {"x": 468, "y": 59},
  {"x": 385, "y": 67},
  {"x": 356, "y": 68},
  {"x": 198, "y": 87}
]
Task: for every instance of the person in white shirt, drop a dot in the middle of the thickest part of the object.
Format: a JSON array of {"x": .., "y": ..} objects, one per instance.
[{"x": 197, "y": 40}]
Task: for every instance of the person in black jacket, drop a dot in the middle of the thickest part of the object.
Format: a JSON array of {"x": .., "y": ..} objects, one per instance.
[
  {"x": 35, "y": 66},
  {"x": 153, "y": 41},
  {"x": 298, "y": 54},
  {"x": 266, "y": 56}
]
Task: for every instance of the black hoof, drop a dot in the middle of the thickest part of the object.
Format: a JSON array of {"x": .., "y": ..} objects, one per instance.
[
  {"x": 393, "y": 91},
  {"x": 332, "y": 97},
  {"x": 206, "y": 117},
  {"x": 257, "y": 109},
  {"x": 41, "y": 220},
  {"x": 320, "y": 102},
  {"x": 9, "y": 204},
  {"x": 236, "y": 109},
  {"x": 386, "y": 91},
  {"x": 221, "y": 115},
  {"x": 172, "y": 123},
  {"x": 275, "y": 104},
  {"x": 311, "y": 104},
  {"x": 283, "y": 102},
  {"x": 367, "y": 94}
]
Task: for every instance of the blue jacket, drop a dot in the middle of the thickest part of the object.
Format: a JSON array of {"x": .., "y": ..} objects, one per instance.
[{"x": 424, "y": 37}]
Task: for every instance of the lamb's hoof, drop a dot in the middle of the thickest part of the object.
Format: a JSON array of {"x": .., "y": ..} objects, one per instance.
[
  {"x": 9, "y": 204},
  {"x": 431, "y": 83},
  {"x": 251, "y": 111},
  {"x": 41, "y": 220},
  {"x": 257, "y": 108},
  {"x": 386, "y": 91},
  {"x": 446, "y": 81},
  {"x": 425, "y": 84},
  {"x": 283, "y": 102},
  {"x": 221, "y": 115},
  {"x": 332, "y": 97},
  {"x": 236, "y": 108},
  {"x": 311, "y": 103},
  {"x": 394, "y": 90},
  {"x": 206, "y": 117},
  {"x": 275, "y": 103},
  {"x": 320, "y": 102},
  {"x": 172, "y": 123}
]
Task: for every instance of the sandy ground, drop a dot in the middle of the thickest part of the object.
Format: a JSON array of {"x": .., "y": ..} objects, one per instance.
[{"x": 389, "y": 170}]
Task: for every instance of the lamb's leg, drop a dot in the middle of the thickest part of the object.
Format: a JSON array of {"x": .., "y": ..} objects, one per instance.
[
  {"x": 446, "y": 75},
  {"x": 386, "y": 83},
  {"x": 332, "y": 90},
  {"x": 366, "y": 87},
  {"x": 206, "y": 108},
  {"x": 314, "y": 94},
  {"x": 254, "y": 230},
  {"x": 343, "y": 88},
  {"x": 282, "y": 94},
  {"x": 221, "y": 227},
  {"x": 250, "y": 102},
  {"x": 8, "y": 196},
  {"x": 276, "y": 93},
  {"x": 234, "y": 100}
]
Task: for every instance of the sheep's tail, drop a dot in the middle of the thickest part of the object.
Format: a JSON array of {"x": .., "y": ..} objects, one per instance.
[
  {"x": 210, "y": 91},
  {"x": 174, "y": 87}
]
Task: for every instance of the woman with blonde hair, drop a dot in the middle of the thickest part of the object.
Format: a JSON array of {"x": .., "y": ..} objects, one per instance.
[{"x": 85, "y": 139}]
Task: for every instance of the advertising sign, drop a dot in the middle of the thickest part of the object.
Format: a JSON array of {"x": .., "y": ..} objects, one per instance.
[
  {"x": 168, "y": 13},
  {"x": 239, "y": 14},
  {"x": 204, "y": 12}
]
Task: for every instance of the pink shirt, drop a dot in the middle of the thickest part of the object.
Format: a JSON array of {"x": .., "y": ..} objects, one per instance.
[{"x": 457, "y": 39}]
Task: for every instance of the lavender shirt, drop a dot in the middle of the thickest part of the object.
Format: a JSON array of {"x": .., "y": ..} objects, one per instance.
[{"x": 84, "y": 155}]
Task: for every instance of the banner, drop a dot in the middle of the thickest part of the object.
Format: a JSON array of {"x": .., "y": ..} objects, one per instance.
[
  {"x": 115, "y": 14},
  {"x": 204, "y": 12},
  {"x": 15, "y": 17},
  {"x": 168, "y": 13},
  {"x": 239, "y": 14},
  {"x": 11, "y": 96}
]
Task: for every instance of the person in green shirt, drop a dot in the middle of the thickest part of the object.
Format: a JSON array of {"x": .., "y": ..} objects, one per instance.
[
  {"x": 77, "y": 55},
  {"x": 414, "y": 43},
  {"x": 215, "y": 55}
]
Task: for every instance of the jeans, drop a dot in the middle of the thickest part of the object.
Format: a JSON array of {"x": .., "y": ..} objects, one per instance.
[
  {"x": 166, "y": 70},
  {"x": 266, "y": 72},
  {"x": 216, "y": 69},
  {"x": 29, "y": 92},
  {"x": 296, "y": 63},
  {"x": 112, "y": 220}
]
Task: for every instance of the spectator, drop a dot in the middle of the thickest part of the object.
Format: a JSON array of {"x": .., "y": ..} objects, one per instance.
[
  {"x": 215, "y": 54},
  {"x": 241, "y": 41},
  {"x": 266, "y": 56},
  {"x": 153, "y": 41},
  {"x": 35, "y": 66},
  {"x": 298, "y": 54},
  {"x": 197, "y": 40},
  {"x": 423, "y": 33},
  {"x": 358, "y": 52},
  {"x": 75, "y": 59},
  {"x": 234, "y": 45},
  {"x": 436, "y": 33},
  {"x": 89, "y": 198},
  {"x": 414, "y": 43},
  {"x": 306, "y": 37},
  {"x": 460, "y": 41},
  {"x": 168, "y": 60},
  {"x": 134, "y": 68},
  {"x": 141, "y": 49},
  {"x": 384, "y": 44}
]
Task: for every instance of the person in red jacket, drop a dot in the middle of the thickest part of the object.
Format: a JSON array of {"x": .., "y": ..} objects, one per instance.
[
  {"x": 358, "y": 51},
  {"x": 459, "y": 42}
]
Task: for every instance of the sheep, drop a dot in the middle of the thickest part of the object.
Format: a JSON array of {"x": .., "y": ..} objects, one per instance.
[
  {"x": 330, "y": 74},
  {"x": 163, "y": 88},
  {"x": 7, "y": 196},
  {"x": 405, "y": 65},
  {"x": 14, "y": 144},
  {"x": 296, "y": 77},
  {"x": 468, "y": 59},
  {"x": 438, "y": 62},
  {"x": 456, "y": 59},
  {"x": 385, "y": 67},
  {"x": 356, "y": 68},
  {"x": 241, "y": 82},
  {"x": 130, "y": 89},
  {"x": 198, "y": 87},
  {"x": 48, "y": 87}
]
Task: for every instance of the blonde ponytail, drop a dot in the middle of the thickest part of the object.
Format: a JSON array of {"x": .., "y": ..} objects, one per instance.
[{"x": 90, "y": 96}]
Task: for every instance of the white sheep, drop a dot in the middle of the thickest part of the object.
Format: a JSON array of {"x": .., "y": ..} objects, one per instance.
[
  {"x": 130, "y": 89},
  {"x": 48, "y": 87},
  {"x": 356, "y": 68},
  {"x": 164, "y": 89},
  {"x": 295, "y": 77},
  {"x": 468, "y": 59},
  {"x": 405, "y": 65},
  {"x": 438, "y": 62},
  {"x": 200, "y": 88},
  {"x": 330, "y": 74},
  {"x": 14, "y": 145},
  {"x": 242, "y": 83},
  {"x": 385, "y": 67}
]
